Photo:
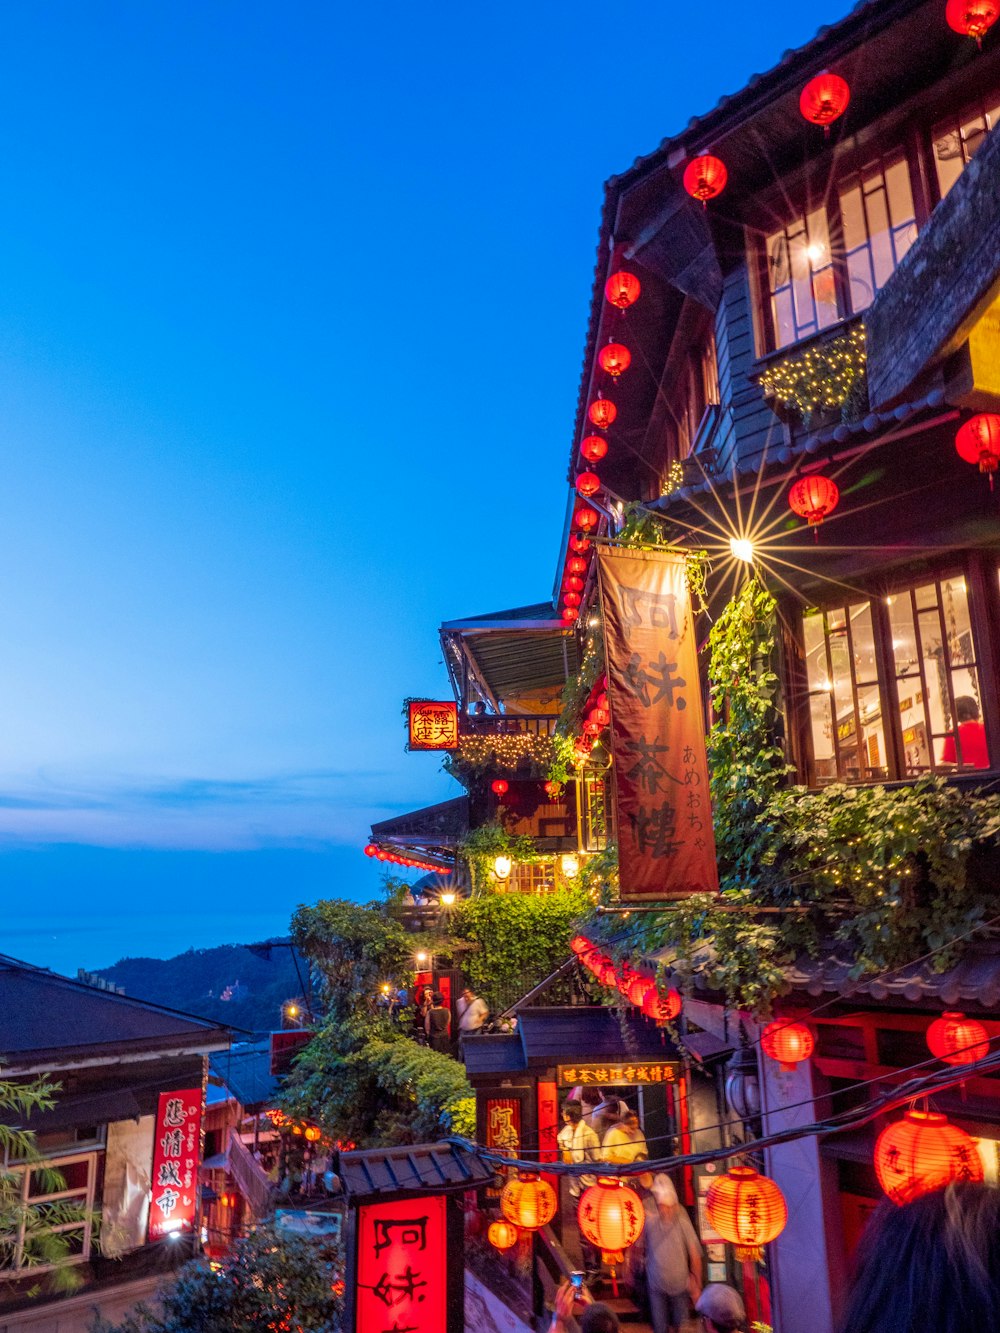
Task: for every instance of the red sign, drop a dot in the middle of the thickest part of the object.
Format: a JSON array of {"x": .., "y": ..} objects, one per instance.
[
  {"x": 176, "y": 1158},
  {"x": 503, "y": 1124},
  {"x": 433, "y": 725},
  {"x": 548, "y": 1121},
  {"x": 666, "y": 844},
  {"x": 402, "y": 1274}
]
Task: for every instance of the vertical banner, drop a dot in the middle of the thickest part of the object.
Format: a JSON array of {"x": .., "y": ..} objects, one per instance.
[
  {"x": 402, "y": 1267},
  {"x": 176, "y": 1158},
  {"x": 503, "y": 1125},
  {"x": 666, "y": 846}
]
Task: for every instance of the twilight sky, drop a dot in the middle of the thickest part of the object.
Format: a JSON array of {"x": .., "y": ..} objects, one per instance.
[{"x": 292, "y": 308}]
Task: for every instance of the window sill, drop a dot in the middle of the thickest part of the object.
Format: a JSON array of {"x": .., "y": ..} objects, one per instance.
[{"x": 795, "y": 349}]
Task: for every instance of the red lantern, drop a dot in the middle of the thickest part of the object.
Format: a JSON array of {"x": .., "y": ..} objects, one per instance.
[
  {"x": 602, "y": 716},
  {"x": 958, "y": 1040},
  {"x": 552, "y": 789},
  {"x": 788, "y": 1043},
  {"x": 588, "y": 483},
  {"x": 571, "y": 598},
  {"x": 611, "y": 1217},
  {"x": 978, "y": 442},
  {"x": 576, "y": 565},
  {"x": 614, "y": 359},
  {"x": 572, "y": 584},
  {"x": 746, "y": 1209},
  {"x": 579, "y": 543},
  {"x": 824, "y": 99},
  {"x": 661, "y": 1007},
  {"x": 502, "y": 1235},
  {"x": 640, "y": 985},
  {"x": 923, "y": 1152},
  {"x": 569, "y": 614},
  {"x": 594, "y": 447},
  {"x": 579, "y": 944},
  {"x": 586, "y": 518},
  {"x": 370, "y": 849},
  {"x": 705, "y": 177},
  {"x": 622, "y": 289},
  {"x": 602, "y": 412},
  {"x": 607, "y": 973},
  {"x": 813, "y": 497},
  {"x": 972, "y": 18},
  {"x": 528, "y": 1202},
  {"x": 499, "y": 786}
]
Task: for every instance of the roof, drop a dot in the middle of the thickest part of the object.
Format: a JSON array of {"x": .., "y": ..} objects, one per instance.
[
  {"x": 44, "y": 1016},
  {"x": 245, "y": 1071},
  {"x": 538, "y": 613},
  {"x": 444, "y": 824},
  {"x": 428, "y": 1167},
  {"x": 974, "y": 981}
]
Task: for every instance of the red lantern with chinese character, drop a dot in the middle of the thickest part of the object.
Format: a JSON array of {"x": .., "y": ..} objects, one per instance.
[
  {"x": 576, "y": 565},
  {"x": 705, "y": 177},
  {"x": 593, "y": 448},
  {"x": 824, "y": 99},
  {"x": 923, "y": 1152},
  {"x": 602, "y": 412},
  {"x": 611, "y": 1217},
  {"x": 661, "y": 1007},
  {"x": 586, "y": 518},
  {"x": 528, "y": 1202},
  {"x": 978, "y": 442},
  {"x": 588, "y": 483},
  {"x": 579, "y": 543},
  {"x": 622, "y": 289},
  {"x": 788, "y": 1043},
  {"x": 813, "y": 497},
  {"x": 502, "y": 1235},
  {"x": 746, "y": 1209},
  {"x": 972, "y": 18},
  {"x": 499, "y": 786},
  {"x": 958, "y": 1040},
  {"x": 602, "y": 716},
  {"x": 614, "y": 359}
]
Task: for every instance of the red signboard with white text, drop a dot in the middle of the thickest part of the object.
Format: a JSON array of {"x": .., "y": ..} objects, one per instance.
[
  {"x": 176, "y": 1158},
  {"x": 402, "y": 1273}
]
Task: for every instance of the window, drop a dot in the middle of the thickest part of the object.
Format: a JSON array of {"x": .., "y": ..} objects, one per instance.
[
  {"x": 800, "y": 278},
  {"x": 532, "y": 877},
  {"x": 879, "y": 224},
  {"x": 40, "y": 1191},
  {"x": 698, "y": 387},
  {"x": 956, "y": 139},
  {"x": 594, "y": 814},
  {"x": 845, "y": 706}
]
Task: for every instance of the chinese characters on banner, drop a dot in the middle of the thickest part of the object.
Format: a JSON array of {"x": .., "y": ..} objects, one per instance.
[
  {"x": 176, "y": 1158},
  {"x": 503, "y": 1125},
  {"x": 402, "y": 1272},
  {"x": 626, "y": 1075},
  {"x": 666, "y": 846},
  {"x": 433, "y": 726}
]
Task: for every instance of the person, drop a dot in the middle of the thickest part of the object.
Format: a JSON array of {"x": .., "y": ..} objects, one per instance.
[
  {"x": 438, "y": 1025},
  {"x": 578, "y": 1143},
  {"x": 591, "y": 1099},
  {"x": 933, "y": 1264},
  {"x": 673, "y": 1257},
  {"x": 722, "y": 1309},
  {"x": 971, "y": 736},
  {"x": 472, "y": 1013},
  {"x": 596, "y": 1317},
  {"x": 625, "y": 1142}
]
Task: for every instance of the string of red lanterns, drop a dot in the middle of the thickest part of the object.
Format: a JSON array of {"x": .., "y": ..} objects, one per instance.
[{"x": 381, "y": 854}]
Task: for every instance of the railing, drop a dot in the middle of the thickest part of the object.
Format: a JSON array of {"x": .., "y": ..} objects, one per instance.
[
  {"x": 251, "y": 1180},
  {"x": 552, "y": 1268},
  {"x": 506, "y": 724}
]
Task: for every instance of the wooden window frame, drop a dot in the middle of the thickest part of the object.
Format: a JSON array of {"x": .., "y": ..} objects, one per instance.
[{"x": 86, "y": 1195}]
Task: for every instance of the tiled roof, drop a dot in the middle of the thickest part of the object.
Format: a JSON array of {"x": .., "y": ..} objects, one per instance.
[{"x": 428, "y": 1167}]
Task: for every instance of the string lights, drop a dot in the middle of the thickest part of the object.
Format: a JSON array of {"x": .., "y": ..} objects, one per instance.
[{"x": 820, "y": 378}]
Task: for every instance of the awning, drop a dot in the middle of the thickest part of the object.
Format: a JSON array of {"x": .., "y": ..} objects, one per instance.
[{"x": 511, "y": 653}]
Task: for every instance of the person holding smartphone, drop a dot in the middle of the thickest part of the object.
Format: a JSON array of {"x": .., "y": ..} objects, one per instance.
[{"x": 596, "y": 1317}]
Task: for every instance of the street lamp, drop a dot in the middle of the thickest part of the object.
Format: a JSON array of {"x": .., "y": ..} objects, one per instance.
[{"x": 447, "y": 900}]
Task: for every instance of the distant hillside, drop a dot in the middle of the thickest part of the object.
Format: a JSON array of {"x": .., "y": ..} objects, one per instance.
[{"x": 228, "y": 983}]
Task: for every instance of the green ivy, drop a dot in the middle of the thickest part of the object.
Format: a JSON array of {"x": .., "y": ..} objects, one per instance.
[{"x": 481, "y": 847}]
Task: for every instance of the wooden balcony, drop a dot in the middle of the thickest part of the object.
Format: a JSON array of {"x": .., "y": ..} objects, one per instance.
[{"x": 507, "y": 724}]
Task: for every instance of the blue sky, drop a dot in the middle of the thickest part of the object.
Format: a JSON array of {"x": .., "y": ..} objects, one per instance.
[{"x": 292, "y": 306}]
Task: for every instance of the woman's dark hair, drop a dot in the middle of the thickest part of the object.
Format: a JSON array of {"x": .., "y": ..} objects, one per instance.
[
  {"x": 599, "y": 1318},
  {"x": 592, "y": 1096},
  {"x": 966, "y": 708},
  {"x": 437, "y": 998},
  {"x": 931, "y": 1265},
  {"x": 574, "y": 1110}
]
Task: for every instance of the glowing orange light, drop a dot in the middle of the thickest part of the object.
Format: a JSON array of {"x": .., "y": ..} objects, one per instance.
[
  {"x": 622, "y": 289},
  {"x": 705, "y": 177},
  {"x": 923, "y": 1152}
]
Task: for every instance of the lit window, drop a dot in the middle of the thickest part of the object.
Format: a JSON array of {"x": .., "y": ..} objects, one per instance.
[
  {"x": 801, "y": 279},
  {"x": 955, "y": 140},
  {"x": 532, "y": 877},
  {"x": 845, "y": 703},
  {"x": 698, "y": 386},
  {"x": 876, "y": 208}
]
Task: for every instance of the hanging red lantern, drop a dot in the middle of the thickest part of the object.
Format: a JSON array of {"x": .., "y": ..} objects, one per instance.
[
  {"x": 824, "y": 99},
  {"x": 611, "y": 1217},
  {"x": 662, "y": 1007},
  {"x": 588, "y": 483},
  {"x": 978, "y": 442},
  {"x": 607, "y": 974},
  {"x": 602, "y": 700},
  {"x": 788, "y": 1043},
  {"x": 593, "y": 448},
  {"x": 529, "y": 1202},
  {"x": 640, "y": 985},
  {"x": 923, "y": 1152},
  {"x": 958, "y": 1040},
  {"x": 813, "y": 497},
  {"x": 602, "y": 412},
  {"x": 499, "y": 786},
  {"x": 586, "y": 518},
  {"x": 746, "y": 1209},
  {"x": 705, "y": 177},
  {"x": 502, "y": 1235},
  {"x": 569, "y": 614},
  {"x": 571, "y": 598},
  {"x": 579, "y": 944},
  {"x": 602, "y": 716},
  {"x": 576, "y": 565},
  {"x": 622, "y": 289},
  {"x": 579, "y": 543},
  {"x": 370, "y": 849},
  {"x": 614, "y": 359},
  {"x": 572, "y": 584},
  {"x": 552, "y": 789},
  {"x": 972, "y": 18}
]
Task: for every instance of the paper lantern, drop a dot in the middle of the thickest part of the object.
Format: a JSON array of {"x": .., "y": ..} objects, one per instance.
[
  {"x": 813, "y": 497},
  {"x": 580, "y": 945},
  {"x": 571, "y": 598},
  {"x": 552, "y": 789},
  {"x": 705, "y": 177},
  {"x": 528, "y": 1202},
  {"x": 499, "y": 786},
  {"x": 312, "y": 1134},
  {"x": 958, "y": 1040},
  {"x": 640, "y": 984},
  {"x": 661, "y": 1007},
  {"x": 576, "y": 565},
  {"x": 746, "y": 1209},
  {"x": 614, "y": 359},
  {"x": 579, "y": 543},
  {"x": 607, "y": 974},
  {"x": 978, "y": 442},
  {"x": 824, "y": 99},
  {"x": 602, "y": 412},
  {"x": 370, "y": 849},
  {"x": 569, "y": 614},
  {"x": 788, "y": 1043},
  {"x": 586, "y": 518},
  {"x": 622, "y": 289},
  {"x": 502, "y": 1235},
  {"x": 972, "y": 18},
  {"x": 571, "y": 583},
  {"x": 923, "y": 1152},
  {"x": 588, "y": 483},
  {"x": 610, "y": 1217}
]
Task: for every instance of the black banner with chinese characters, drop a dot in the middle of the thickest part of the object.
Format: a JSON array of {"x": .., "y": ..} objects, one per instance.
[
  {"x": 632, "y": 1073},
  {"x": 666, "y": 846}
]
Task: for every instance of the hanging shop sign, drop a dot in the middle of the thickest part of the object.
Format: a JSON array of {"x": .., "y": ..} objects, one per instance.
[
  {"x": 402, "y": 1266},
  {"x": 176, "y": 1158},
  {"x": 433, "y": 725},
  {"x": 666, "y": 842},
  {"x": 503, "y": 1125},
  {"x": 624, "y": 1075}
]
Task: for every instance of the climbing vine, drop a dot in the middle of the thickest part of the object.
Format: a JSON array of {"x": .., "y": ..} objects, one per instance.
[{"x": 481, "y": 846}]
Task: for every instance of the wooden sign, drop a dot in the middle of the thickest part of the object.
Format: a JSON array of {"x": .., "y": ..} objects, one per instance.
[
  {"x": 176, "y": 1158},
  {"x": 402, "y": 1266},
  {"x": 433, "y": 725},
  {"x": 629, "y": 1074}
]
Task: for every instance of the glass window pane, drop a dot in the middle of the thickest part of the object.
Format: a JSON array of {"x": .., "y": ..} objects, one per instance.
[
  {"x": 904, "y": 637},
  {"x": 872, "y": 754},
  {"x": 926, "y": 596},
  {"x": 973, "y": 133},
  {"x": 955, "y": 604},
  {"x": 948, "y": 158},
  {"x": 824, "y": 760},
  {"x": 852, "y": 216},
  {"x": 859, "y": 276},
  {"x": 865, "y": 668},
  {"x": 777, "y": 260},
  {"x": 897, "y": 184},
  {"x": 784, "y": 322},
  {"x": 825, "y": 296}
]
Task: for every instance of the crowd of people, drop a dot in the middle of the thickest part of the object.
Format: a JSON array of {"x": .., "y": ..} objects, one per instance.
[{"x": 429, "y": 1018}]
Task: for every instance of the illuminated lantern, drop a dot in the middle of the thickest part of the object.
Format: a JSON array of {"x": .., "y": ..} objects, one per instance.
[
  {"x": 528, "y": 1202},
  {"x": 602, "y": 716},
  {"x": 602, "y": 700},
  {"x": 312, "y": 1134},
  {"x": 593, "y": 447},
  {"x": 622, "y": 289},
  {"x": 978, "y": 442},
  {"x": 586, "y": 518},
  {"x": 705, "y": 177},
  {"x": 499, "y": 786},
  {"x": 552, "y": 789},
  {"x": 824, "y": 99},
  {"x": 813, "y": 497},
  {"x": 572, "y": 584},
  {"x": 576, "y": 565},
  {"x": 591, "y": 728},
  {"x": 788, "y": 1043},
  {"x": 640, "y": 985},
  {"x": 569, "y": 614},
  {"x": 923, "y": 1152},
  {"x": 746, "y": 1209},
  {"x": 957, "y": 1040},
  {"x": 611, "y": 1217},
  {"x": 614, "y": 359},
  {"x": 380, "y": 855},
  {"x": 607, "y": 974},
  {"x": 602, "y": 412},
  {"x": 972, "y": 18},
  {"x": 571, "y": 598},
  {"x": 579, "y": 543},
  {"x": 580, "y": 945},
  {"x": 502, "y": 1235},
  {"x": 661, "y": 1007},
  {"x": 588, "y": 483},
  {"x": 370, "y": 849}
]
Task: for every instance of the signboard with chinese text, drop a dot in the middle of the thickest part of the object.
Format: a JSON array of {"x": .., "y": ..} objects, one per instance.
[
  {"x": 548, "y": 1121},
  {"x": 401, "y": 1282},
  {"x": 666, "y": 845},
  {"x": 630, "y": 1074},
  {"x": 503, "y": 1125},
  {"x": 433, "y": 725},
  {"x": 176, "y": 1158}
]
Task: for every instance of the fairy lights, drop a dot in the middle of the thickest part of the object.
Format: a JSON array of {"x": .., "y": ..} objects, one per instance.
[{"x": 821, "y": 378}]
